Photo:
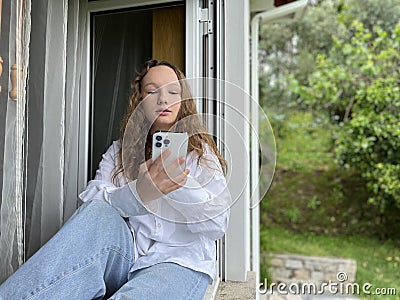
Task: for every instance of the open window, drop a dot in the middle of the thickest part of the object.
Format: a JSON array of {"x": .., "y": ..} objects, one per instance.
[
  {"x": 121, "y": 40},
  {"x": 124, "y": 35}
]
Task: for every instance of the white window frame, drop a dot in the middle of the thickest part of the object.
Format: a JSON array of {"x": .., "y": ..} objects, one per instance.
[{"x": 237, "y": 72}]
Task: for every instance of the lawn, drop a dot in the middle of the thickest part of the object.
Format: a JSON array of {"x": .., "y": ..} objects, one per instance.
[
  {"x": 314, "y": 207},
  {"x": 378, "y": 263}
]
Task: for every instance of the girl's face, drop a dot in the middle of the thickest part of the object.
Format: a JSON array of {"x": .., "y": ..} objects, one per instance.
[{"x": 161, "y": 94}]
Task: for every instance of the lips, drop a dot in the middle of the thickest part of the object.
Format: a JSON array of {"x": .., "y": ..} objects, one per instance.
[{"x": 163, "y": 112}]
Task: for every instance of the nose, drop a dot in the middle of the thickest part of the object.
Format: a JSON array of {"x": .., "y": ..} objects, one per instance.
[{"x": 162, "y": 97}]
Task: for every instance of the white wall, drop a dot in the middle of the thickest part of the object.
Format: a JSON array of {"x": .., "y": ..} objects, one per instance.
[{"x": 237, "y": 261}]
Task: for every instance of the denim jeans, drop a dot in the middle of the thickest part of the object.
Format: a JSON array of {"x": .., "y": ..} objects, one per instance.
[{"x": 90, "y": 258}]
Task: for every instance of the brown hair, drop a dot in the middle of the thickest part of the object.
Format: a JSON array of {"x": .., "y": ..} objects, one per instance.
[{"x": 138, "y": 148}]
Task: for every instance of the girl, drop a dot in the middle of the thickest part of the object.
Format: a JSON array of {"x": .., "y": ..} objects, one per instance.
[{"x": 140, "y": 234}]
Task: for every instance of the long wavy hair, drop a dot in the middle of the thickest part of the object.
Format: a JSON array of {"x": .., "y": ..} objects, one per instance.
[{"x": 136, "y": 141}]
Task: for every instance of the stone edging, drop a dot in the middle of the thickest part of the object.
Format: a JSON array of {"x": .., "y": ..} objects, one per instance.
[{"x": 294, "y": 268}]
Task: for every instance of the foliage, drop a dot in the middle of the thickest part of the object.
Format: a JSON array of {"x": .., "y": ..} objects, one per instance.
[
  {"x": 315, "y": 208},
  {"x": 342, "y": 77},
  {"x": 288, "y": 50},
  {"x": 371, "y": 13},
  {"x": 310, "y": 193},
  {"x": 358, "y": 84},
  {"x": 303, "y": 141},
  {"x": 370, "y": 141}
]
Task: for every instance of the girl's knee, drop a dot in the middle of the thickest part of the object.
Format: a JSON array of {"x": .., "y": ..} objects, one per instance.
[
  {"x": 97, "y": 205},
  {"x": 99, "y": 211}
]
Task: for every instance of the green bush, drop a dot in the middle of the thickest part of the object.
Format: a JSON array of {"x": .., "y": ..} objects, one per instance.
[
  {"x": 358, "y": 84},
  {"x": 370, "y": 141}
]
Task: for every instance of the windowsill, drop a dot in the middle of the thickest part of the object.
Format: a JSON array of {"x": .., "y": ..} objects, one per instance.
[{"x": 234, "y": 289}]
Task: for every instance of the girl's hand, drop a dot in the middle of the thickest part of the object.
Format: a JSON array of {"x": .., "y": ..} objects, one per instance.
[{"x": 154, "y": 181}]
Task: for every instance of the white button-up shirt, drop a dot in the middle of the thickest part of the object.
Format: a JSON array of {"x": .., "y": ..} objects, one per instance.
[{"x": 180, "y": 227}]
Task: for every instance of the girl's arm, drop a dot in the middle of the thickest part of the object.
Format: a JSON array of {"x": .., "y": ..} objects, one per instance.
[
  {"x": 203, "y": 203},
  {"x": 102, "y": 187}
]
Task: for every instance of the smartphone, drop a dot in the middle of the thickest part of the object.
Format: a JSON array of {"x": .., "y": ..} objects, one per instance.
[{"x": 176, "y": 142}]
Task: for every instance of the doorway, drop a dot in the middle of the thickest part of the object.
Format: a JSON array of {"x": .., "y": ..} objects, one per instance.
[{"x": 121, "y": 40}]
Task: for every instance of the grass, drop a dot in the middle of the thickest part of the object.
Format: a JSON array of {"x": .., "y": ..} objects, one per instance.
[
  {"x": 378, "y": 263},
  {"x": 303, "y": 141},
  {"x": 314, "y": 207}
]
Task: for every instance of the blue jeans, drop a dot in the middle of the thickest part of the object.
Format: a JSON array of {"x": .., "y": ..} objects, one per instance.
[{"x": 90, "y": 258}]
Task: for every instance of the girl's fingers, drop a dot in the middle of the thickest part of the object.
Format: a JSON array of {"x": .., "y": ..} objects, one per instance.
[
  {"x": 175, "y": 183},
  {"x": 174, "y": 168},
  {"x": 144, "y": 167},
  {"x": 158, "y": 164},
  {"x": 172, "y": 188},
  {"x": 163, "y": 179},
  {"x": 181, "y": 177},
  {"x": 148, "y": 164}
]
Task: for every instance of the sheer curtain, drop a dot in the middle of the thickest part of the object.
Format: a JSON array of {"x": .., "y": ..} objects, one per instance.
[
  {"x": 12, "y": 194},
  {"x": 122, "y": 41},
  {"x": 41, "y": 141}
]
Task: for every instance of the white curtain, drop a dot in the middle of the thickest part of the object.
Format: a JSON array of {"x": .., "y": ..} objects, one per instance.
[
  {"x": 41, "y": 142},
  {"x": 12, "y": 194}
]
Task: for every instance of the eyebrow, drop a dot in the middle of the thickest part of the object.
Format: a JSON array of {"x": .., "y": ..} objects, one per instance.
[{"x": 168, "y": 84}]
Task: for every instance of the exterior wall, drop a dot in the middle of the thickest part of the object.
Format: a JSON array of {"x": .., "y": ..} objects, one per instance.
[
  {"x": 235, "y": 59},
  {"x": 237, "y": 261}
]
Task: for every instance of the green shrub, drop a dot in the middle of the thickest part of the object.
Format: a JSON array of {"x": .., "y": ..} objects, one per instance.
[{"x": 358, "y": 84}]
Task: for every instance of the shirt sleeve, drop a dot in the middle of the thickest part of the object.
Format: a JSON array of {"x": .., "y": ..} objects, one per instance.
[
  {"x": 124, "y": 199},
  {"x": 203, "y": 203}
]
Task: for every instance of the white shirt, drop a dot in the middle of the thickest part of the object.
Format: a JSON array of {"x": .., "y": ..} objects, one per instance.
[{"x": 180, "y": 227}]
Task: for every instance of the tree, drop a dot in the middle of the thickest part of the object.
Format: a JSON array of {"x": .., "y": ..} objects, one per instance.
[
  {"x": 384, "y": 14},
  {"x": 358, "y": 83},
  {"x": 342, "y": 59},
  {"x": 289, "y": 49}
]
